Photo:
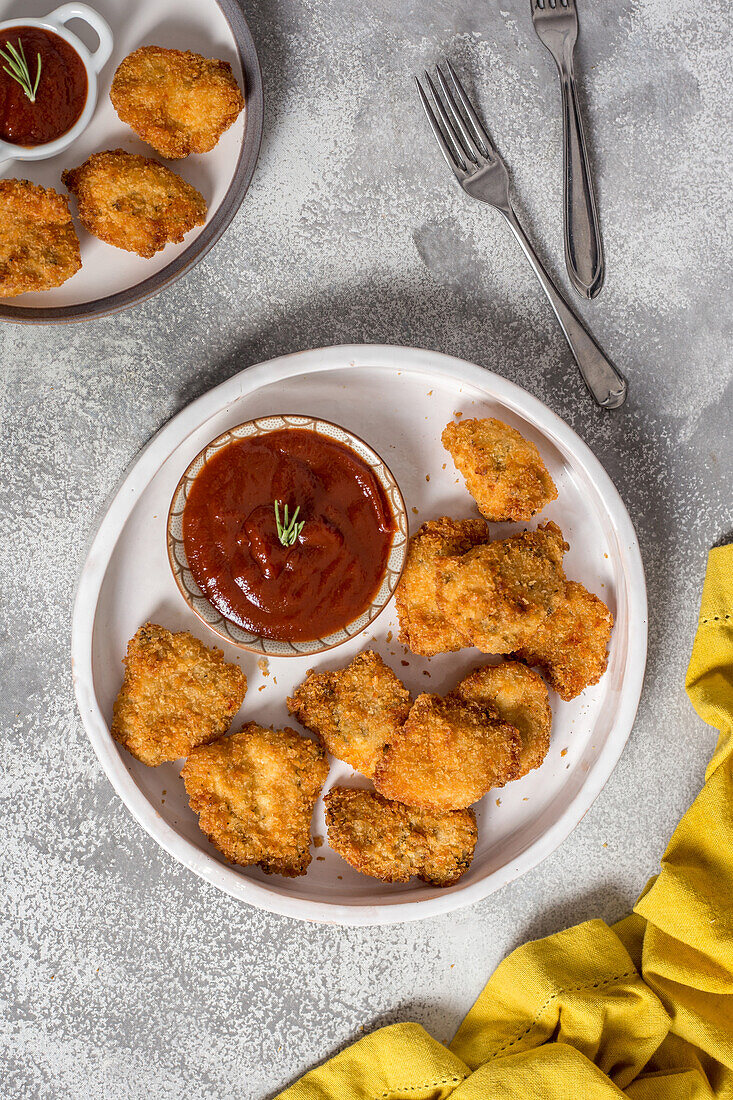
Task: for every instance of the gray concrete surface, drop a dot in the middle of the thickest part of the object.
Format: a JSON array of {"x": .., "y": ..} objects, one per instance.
[{"x": 123, "y": 975}]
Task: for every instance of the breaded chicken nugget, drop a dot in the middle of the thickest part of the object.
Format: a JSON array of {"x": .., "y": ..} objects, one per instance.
[
  {"x": 356, "y": 710},
  {"x": 254, "y": 792},
  {"x": 133, "y": 202},
  {"x": 571, "y": 646},
  {"x": 422, "y": 626},
  {"x": 179, "y": 102},
  {"x": 504, "y": 472},
  {"x": 392, "y": 842},
  {"x": 176, "y": 694},
  {"x": 39, "y": 248},
  {"x": 498, "y": 595},
  {"x": 519, "y": 696},
  {"x": 447, "y": 755}
]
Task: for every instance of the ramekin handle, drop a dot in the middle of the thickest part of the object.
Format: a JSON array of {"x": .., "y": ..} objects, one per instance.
[{"x": 100, "y": 26}]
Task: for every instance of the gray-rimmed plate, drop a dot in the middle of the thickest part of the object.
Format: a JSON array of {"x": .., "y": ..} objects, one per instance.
[{"x": 112, "y": 279}]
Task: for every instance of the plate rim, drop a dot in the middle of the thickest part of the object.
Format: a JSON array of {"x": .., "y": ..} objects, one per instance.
[
  {"x": 215, "y": 228},
  {"x": 122, "y": 500}
]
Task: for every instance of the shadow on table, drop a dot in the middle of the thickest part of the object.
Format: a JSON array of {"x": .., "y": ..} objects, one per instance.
[{"x": 608, "y": 903}]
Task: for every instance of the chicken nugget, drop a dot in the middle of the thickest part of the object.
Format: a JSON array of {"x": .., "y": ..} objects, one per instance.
[
  {"x": 177, "y": 101},
  {"x": 133, "y": 202},
  {"x": 254, "y": 792},
  {"x": 392, "y": 842},
  {"x": 423, "y": 627},
  {"x": 504, "y": 472},
  {"x": 571, "y": 645},
  {"x": 519, "y": 696},
  {"x": 39, "y": 248},
  {"x": 356, "y": 710},
  {"x": 177, "y": 693},
  {"x": 448, "y": 754},
  {"x": 499, "y": 594}
]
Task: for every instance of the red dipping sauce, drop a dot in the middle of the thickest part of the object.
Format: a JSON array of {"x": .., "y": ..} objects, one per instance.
[
  {"x": 61, "y": 92},
  {"x": 334, "y": 569}
]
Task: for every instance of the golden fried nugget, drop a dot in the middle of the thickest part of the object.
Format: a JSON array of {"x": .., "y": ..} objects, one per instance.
[
  {"x": 179, "y": 102},
  {"x": 356, "y": 710},
  {"x": 571, "y": 646},
  {"x": 498, "y": 595},
  {"x": 504, "y": 472},
  {"x": 393, "y": 842},
  {"x": 39, "y": 248},
  {"x": 177, "y": 693},
  {"x": 254, "y": 792},
  {"x": 133, "y": 202},
  {"x": 447, "y": 755},
  {"x": 519, "y": 696},
  {"x": 422, "y": 626}
]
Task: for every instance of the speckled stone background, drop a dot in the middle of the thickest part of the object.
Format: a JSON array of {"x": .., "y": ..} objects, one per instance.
[{"x": 123, "y": 976}]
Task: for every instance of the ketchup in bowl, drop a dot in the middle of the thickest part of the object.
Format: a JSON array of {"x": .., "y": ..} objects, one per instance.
[
  {"x": 329, "y": 575},
  {"x": 59, "y": 97}
]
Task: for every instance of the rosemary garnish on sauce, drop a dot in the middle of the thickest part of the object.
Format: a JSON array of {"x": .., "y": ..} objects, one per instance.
[
  {"x": 17, "y": 68},
  {"x": 287, "y": 529}
]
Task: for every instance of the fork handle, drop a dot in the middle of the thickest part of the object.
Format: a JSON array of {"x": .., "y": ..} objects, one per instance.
[
  {"x": 583, "y": 247},
  {"x": 604, "y": 381}
]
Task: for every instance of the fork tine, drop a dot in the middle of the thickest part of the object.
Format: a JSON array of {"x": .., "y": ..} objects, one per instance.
[
  {"x": 478, "y": 150},
  {"x": 446, "y": 116},
  {"x": 477, "y": 128},
  {"x": 452, "y": 154}
]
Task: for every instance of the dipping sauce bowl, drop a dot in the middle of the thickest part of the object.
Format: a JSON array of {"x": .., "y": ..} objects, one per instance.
[{"x": 92, "y": 62}]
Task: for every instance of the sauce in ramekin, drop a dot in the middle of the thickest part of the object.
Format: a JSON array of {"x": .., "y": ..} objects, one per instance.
[
  {"x": 333, "y": 570},
  {"x": 61, "y": 92}
]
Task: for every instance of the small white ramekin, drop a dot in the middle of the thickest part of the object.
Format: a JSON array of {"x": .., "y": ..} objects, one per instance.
[{"x": 93, "y": 63}]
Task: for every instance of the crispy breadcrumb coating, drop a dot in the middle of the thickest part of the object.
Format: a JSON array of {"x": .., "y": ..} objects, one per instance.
[
  {"x": 504, "y": 472},
  {"x": 356, "y": 710},
  {"x": 447, "y": 755},
  {"x": 392, "y": 842},
  {"x": 519, "y": 696},
  {"x": 133, "y": 202},
  {"x": 499, "y": 594},
  {"x": 254, "y": 792},
  {"x": 571, "y": 646},
  {"x": 423, "y": 627},
  {"x": 39, "y": 248},
  {"x": 177, "y": 101},
  {"x": 177, "y": 693}
]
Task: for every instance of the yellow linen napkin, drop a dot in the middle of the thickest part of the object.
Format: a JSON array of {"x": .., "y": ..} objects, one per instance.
[{"x": 643, "y": 1009}]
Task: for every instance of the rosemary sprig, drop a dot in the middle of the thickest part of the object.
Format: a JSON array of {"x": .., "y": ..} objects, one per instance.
[
  {"x": 17, "y": 68},
  {"x": 288, "y": 529}
]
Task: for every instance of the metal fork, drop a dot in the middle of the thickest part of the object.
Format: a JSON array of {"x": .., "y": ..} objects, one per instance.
[
  {"x": 482, "y": 174},
  {"x": 556, "y": 24}
]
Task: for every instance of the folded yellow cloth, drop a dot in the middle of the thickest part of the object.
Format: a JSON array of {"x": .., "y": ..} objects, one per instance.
[{"x": 643, "y": 1009}]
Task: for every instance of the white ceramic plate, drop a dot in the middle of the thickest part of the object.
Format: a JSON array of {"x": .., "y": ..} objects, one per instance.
[
  {"x": 110, "y": 278},
  {"x": 399, "y": 400}
]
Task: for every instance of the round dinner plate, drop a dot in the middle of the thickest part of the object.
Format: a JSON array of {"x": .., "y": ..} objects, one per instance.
[
  {"x": 399, "y": 400},
  {"x": 112, "y": 279}
]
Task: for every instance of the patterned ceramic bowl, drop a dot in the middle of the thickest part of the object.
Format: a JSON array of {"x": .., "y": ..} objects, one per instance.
[{"x": 213, "y": 618}]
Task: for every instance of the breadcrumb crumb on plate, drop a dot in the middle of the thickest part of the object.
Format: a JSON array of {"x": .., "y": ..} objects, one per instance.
[
  {"x": 177, "y": 694},
  {"x": 39, "y": 248},
  {"x": 255, "y": 792},
  {"x": 177, "y": 101},
  {"x": 133, "y": 202},
  {"x": 393, "y": 842}
]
